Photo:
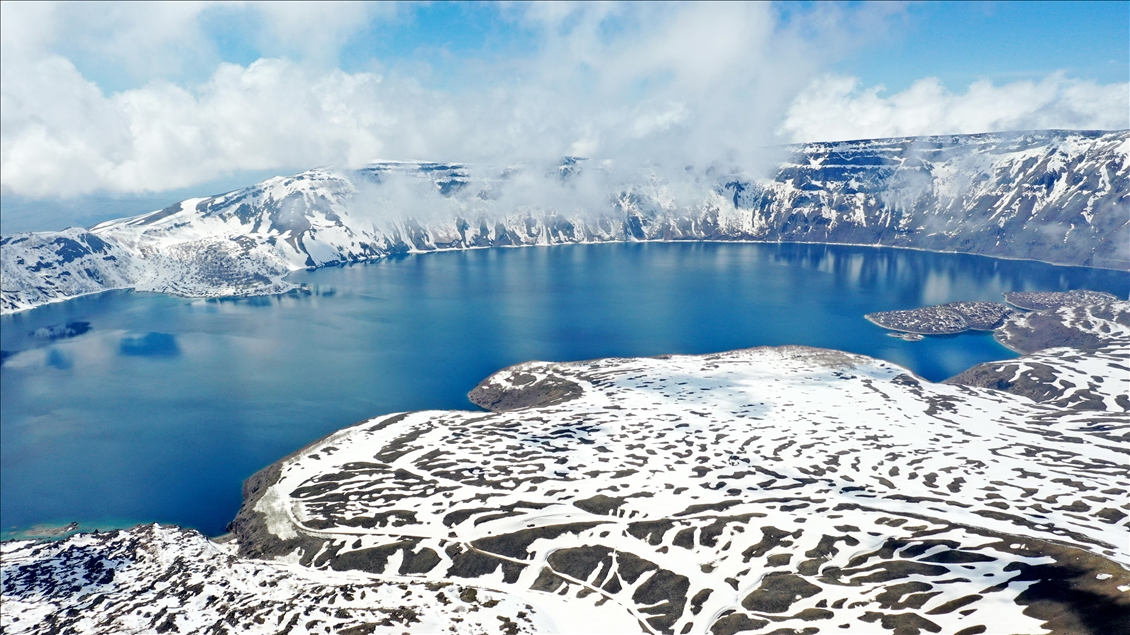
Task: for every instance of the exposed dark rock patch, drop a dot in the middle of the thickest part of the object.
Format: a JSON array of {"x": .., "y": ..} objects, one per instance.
[
  {"x": 944, "y": 319},
  {"x": 778, "y": 592},
  {"x": 1078, "y": 326},
  {"x": 1043, "y": 300},
  {"x": 1042, "y": 380},
  {"x": 524, "y": 392},
  {"x": 736, "y": 623}
]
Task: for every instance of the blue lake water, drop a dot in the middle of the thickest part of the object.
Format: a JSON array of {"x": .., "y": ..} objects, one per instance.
[{"x": 162, "y": 407}]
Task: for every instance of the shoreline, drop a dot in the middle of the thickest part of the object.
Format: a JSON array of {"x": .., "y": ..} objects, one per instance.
[
  {"x": 252, "y": 485},
  {"x": 27, "y": 533},
  {"x": 898, "y": 330},
  {"x": 336, "y": 514},
  {"x": 418, "y": 252}
]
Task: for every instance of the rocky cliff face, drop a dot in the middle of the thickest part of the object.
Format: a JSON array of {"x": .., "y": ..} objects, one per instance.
[
  {"x": 37, "y": 268},
  {"x": 1057, "y": 196}
]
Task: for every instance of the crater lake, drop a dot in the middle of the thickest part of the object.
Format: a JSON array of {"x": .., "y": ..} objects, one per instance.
[{"x": 126, "y": 407}]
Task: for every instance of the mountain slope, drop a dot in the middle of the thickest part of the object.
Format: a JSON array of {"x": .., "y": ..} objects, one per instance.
[
  {"x": 756, "y": 490},
  {"x": 1057, "y": 196},
  {"x": 770, "y": 490}
]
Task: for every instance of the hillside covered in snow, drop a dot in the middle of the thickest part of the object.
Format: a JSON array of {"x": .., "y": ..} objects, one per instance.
[
  {"x": 769, "y": 490},
  {"x": 1056, "y": 196}
]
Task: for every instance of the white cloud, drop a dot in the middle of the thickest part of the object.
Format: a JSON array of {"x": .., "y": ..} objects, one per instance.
[
  {"x": 132, "y": 40},
  {"x": 63, "y": 136},
  {"x": 627, "y": 84},
  {"x": 169, "y": 40},
  {"x": 315, "y": 30},
  {"x": 836, "y": 108},
  {"x": 667, "y": 84}
]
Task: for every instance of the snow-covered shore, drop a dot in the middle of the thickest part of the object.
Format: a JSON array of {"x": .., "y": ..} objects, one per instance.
[{"x": 748, "y": 491}]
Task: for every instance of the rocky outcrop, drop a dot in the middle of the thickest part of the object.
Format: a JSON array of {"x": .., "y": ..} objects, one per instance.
[
  {"x": 1070, "y": 345},
  {"x": 1083, "y": 327},
  {"x": 944, "y": 319},
  {"x": 1042, "y": 300},
  {"x": 44, "y": 267},
  {"x": 1079, "y": 319}
]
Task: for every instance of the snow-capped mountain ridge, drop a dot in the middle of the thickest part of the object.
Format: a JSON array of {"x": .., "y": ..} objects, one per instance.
[{"x": 1057, "y": 196}]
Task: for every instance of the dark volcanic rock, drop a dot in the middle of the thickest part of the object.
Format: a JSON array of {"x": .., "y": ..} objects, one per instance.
[
  {"x": 522, "y": 390},
  {"x": 930, "y": 320},
  {"x": 1042, "y": 300},
  {"x": 981, "y": 316},
  {"x": 944, "y": 319},
  {"x": 1084, "y": 327}
]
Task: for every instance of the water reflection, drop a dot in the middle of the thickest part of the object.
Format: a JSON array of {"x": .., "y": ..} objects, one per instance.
[
  {"x": 923, "y": 278},
  {"x": 152, "y": 344},
  {"x": 59, "y": 359},
  {"x": 61, "y": 331}
]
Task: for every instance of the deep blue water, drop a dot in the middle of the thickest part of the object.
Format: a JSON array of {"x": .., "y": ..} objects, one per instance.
[{"x": 164, "y": 405}]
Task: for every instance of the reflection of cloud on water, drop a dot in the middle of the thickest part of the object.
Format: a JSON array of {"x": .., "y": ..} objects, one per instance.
[
  {"x": 61, "y": 331},
  {"x": 25, "y": 359},
  {"x": 59, "y": 359},
  {"x": 151, "y": 344},
  {"x": 86, "y": 354},
  {"x": 937, "y": 288}
]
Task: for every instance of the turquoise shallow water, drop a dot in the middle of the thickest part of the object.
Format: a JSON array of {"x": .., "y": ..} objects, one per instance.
[{"x": 163, "y": 407}]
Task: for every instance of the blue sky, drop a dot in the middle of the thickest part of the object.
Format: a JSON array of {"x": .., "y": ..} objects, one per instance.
[
  {"x": 960, "y": 42},
  {"x": 139, "y": 103},
  {"x": 957, "y": 42}
]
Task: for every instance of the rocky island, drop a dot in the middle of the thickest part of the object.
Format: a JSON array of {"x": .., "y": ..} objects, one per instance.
[
  {"x": 1049, "y": 319},
  {"x": 944, "y": 319}
]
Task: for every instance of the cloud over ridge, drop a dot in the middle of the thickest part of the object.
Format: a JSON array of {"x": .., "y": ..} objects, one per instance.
[
  {"x": 663, "y": 86},
  {"x": 928, "y": 108}
]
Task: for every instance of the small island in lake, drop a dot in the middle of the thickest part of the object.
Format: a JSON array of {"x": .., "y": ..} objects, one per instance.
[
  {"x": 1080, "y": 319},
  {"x": 944, "y": 319}
]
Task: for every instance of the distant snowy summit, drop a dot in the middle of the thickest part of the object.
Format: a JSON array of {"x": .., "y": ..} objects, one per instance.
[{"x": 1056, "y": 196}]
